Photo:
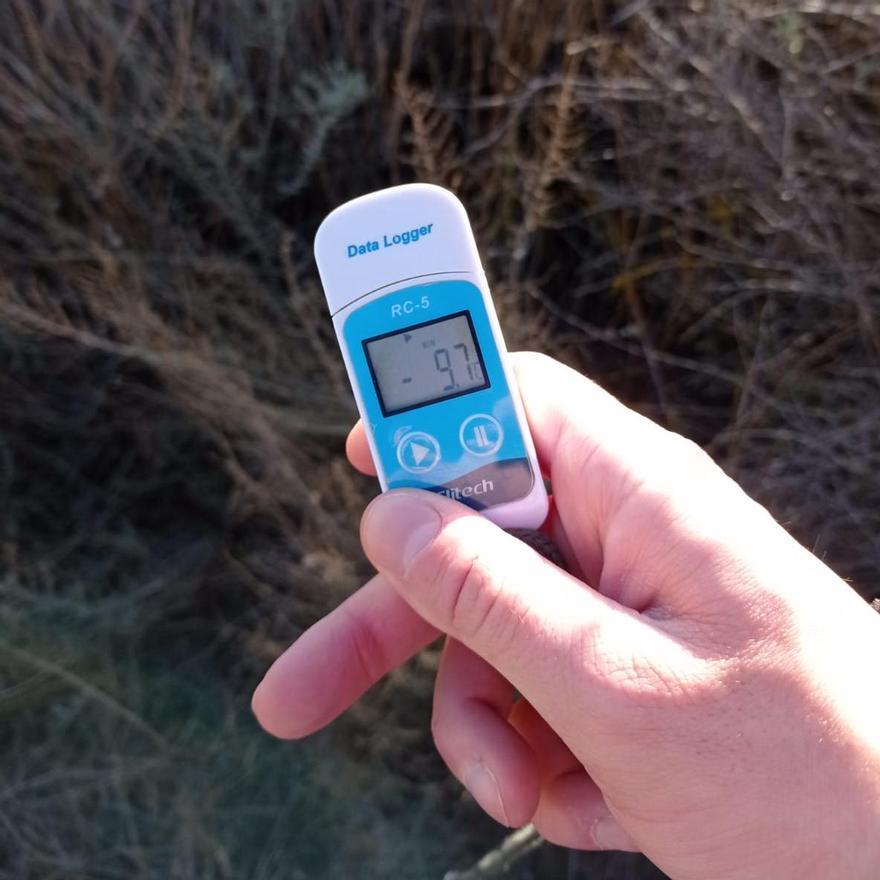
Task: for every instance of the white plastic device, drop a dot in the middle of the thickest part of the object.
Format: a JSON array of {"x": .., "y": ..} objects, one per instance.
[{"x": 425, "y": 354}]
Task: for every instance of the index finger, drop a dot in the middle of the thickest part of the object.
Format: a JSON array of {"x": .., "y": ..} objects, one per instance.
[{"x": 331, "y": 664}]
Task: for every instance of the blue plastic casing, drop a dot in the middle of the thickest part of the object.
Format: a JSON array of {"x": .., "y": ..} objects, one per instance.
[{"x": 469, "y": 446}]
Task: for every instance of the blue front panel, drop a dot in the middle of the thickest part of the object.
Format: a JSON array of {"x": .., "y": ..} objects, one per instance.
[{"x": 468, "y": 446}]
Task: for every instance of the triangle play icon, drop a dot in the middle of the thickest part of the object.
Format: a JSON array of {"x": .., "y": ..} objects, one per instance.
[{"x": 418, "y": 452}]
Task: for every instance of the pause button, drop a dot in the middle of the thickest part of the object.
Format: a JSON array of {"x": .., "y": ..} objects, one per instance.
[{"x": 481, "y": 434}]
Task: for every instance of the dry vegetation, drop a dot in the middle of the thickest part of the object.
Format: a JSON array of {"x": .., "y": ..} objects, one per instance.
[{"x": 680, "y": 199}]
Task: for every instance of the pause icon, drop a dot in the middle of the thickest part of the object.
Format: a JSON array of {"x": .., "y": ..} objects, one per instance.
[
  {"x": 481, "y": 434},
  {"x": 480, "y": 439}
]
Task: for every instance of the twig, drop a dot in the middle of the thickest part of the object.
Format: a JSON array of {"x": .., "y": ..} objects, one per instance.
[
  {"x": 87, "y": 689},
  {"x": 512, "y": 849}
]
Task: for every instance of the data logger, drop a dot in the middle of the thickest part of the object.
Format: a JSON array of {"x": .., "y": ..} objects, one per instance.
[{"x": 425, "y": 355}]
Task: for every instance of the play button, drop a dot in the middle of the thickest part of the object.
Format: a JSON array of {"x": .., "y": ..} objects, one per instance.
[{"x": 418, "y": 452}]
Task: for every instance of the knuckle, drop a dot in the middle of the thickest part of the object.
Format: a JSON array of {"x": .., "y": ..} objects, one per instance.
[
  {"x": 471, "y": 595},
  {"x": 468, "y": 588},
  {"x": 367, "y": 649}
]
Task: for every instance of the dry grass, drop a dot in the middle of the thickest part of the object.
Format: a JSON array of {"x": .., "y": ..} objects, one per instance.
[{"x": 680, "y": 199}]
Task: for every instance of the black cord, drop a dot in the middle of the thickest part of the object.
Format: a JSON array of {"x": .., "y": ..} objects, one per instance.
[{"x": 540, "y": 543}]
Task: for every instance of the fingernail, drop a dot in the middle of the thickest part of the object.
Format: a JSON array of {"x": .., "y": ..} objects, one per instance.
[
  {"x": 396, "y": 527},
  {"x": 608, "y": 835},
  {"x": 480, "y": 781}
]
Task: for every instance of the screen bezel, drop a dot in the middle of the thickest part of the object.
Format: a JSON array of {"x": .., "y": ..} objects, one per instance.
[{"x": 479, "y": 349}]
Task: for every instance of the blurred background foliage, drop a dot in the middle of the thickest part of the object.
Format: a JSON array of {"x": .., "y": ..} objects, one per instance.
[{"x": 680, "y": 199}]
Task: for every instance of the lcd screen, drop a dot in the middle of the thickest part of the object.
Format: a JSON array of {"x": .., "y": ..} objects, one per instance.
[{"x": 426, "y": 363}]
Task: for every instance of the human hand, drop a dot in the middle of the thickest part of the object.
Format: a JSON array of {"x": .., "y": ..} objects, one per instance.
[{"x": 701, "y": 688}]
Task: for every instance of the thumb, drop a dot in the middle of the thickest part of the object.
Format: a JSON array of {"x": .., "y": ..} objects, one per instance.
[{"x": 532, "y": 621}]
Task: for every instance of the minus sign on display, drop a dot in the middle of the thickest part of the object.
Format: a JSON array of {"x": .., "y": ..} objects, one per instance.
[{"x": 406, "y": 381}]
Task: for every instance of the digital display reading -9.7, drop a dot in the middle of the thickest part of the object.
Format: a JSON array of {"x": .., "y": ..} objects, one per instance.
[{"x": 426, "y": 363}]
